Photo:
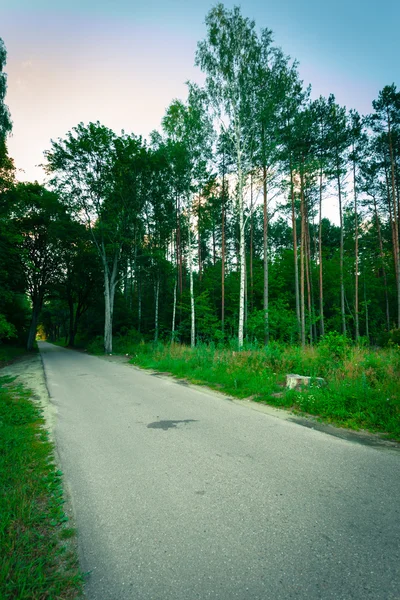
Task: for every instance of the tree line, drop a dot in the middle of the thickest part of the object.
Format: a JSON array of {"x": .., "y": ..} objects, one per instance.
[{"x": 212, "y": 229}]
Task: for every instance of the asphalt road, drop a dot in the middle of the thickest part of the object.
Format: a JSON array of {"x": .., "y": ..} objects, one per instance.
[{"x": 180, "y": 494}]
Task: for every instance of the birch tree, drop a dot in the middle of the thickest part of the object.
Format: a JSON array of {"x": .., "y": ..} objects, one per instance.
[{"x": 229, "y": 56}]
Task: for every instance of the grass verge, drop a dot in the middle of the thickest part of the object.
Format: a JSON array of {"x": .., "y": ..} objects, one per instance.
[
  {"x": 37, "y": 560},
  {"x": 362, "y": 391}
]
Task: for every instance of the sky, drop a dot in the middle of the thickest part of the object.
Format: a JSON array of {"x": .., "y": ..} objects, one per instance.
[{"x": 123, "y": 61}]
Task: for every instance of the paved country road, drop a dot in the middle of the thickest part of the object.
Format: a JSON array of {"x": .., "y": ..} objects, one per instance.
[{"x": 180, "y": 494}]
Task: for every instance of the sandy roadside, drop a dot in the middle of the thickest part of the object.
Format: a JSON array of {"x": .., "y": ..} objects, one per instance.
[{"x": 29, "y": 372}]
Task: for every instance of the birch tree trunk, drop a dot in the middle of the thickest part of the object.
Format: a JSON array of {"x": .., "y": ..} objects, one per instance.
[
  {"x": 302, "y": 259},
  {"x": 110, "y": 282},
  {"x": 223, "y": 257},
  {"x": 139, "y": 289},
  {"x": 242, "y": 255},
  {"x": 356, "y": 309},
  {"x": 192, "y": 309},
  {"x": 107, "y": 313},
  {"x": 251, "y": 247},
  {"x": 199, "y": 239},
  {"x": 156, "y": 302},
  {"x": 265, "y": 252},
  {"x": 321, "y": 275}
]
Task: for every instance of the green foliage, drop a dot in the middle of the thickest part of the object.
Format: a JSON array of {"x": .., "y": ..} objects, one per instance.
[
  {"x": 96, "y": 346},
  {"x": 282, "y": 323},
  {"x": 392, "y": 338},
  {"x": 7, "y": 330},
  {"x": 334, "y": 346},
  {"x": 35, "y": 563},
  {"x": 8, "y": 353}
]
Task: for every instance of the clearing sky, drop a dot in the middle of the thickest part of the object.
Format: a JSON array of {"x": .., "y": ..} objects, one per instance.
[{"x": 122, "y": 62}]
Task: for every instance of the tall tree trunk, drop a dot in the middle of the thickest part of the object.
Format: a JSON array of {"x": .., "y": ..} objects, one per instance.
[
  {"x": 179, "y": 245},
  {"x": 391, "y": 220},
  {"x": 107, "y": 314},
  {"x": 308, "y": 270},
  {"x": 156, "y": 303},
  {"x": 265, "y": 253},
  {"x": 199, "y": 241},
  {"x": 132, "y": 271},
  {"x": 321, "y": 274},
  {"x": 192, "y": 311},
  {"x": 110, "y": 282},
  {"x": 33, "y": 324},
  {"x": 302, "y": 258},
  {"x": 342, "y": 303},
  {"x": 139, "y": 290},
  {"x": 242, "y": 254},
  {"x": 223, "y": 256},
  {"x": 251, "y": 246},
  {"x": 214, "y": 244},
  {"x": 174, "y": 312},
  {"x": 356, "y": 309},
  {"x": 296, "y": 263},
  {"x": 126, "y": 279},
  {"x": 74, "y": 331},
  {"x": 382, "y": 256},
  {"x": 395, "y": 219},
  {"x": 366, "y": 311},
  {"x": 71, "y": 333}
]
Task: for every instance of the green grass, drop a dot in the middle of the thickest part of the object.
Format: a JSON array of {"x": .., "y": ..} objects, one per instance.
[
  {"x": 36, "y": 563},
  {"x": 362, "y": 391}
]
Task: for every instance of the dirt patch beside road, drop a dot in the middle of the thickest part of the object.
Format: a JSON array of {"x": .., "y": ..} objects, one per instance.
[{"x": 29, "y": 372}]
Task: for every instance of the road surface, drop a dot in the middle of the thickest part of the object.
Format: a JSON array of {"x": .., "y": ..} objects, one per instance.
[{"x": 180, "y": 494}]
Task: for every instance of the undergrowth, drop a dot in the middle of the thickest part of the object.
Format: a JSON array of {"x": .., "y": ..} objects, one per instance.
[{"x": 10, "y": 353}]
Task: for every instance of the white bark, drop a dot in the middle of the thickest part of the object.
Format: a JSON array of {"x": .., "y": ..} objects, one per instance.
[
  {"x": 140, "y": 304},
  {"x": 110, "y": 283},
  {"x": 265, "y": 252},
  {"x": 192, "y": 310},
  {"x": 157, "y": 296},
  {"x": 242, "y": 254},
  {"x": 107, "y": 314}
]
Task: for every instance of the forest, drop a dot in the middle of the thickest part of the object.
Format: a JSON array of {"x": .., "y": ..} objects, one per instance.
[
  {"x": 253, "y": 239},
  {"x": 214, "y": 229}
]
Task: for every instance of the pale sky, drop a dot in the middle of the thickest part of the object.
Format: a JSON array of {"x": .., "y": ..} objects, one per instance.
[{"x": 122, "y": 61}]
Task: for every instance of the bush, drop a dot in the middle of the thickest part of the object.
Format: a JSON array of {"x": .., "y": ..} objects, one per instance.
[{"x": 7, "y": 330}]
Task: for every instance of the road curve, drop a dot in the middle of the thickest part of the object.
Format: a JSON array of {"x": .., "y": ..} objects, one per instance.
[{"x": 180, "y": 494}]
